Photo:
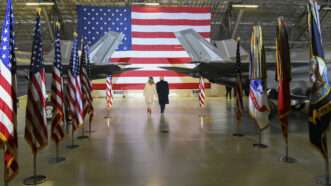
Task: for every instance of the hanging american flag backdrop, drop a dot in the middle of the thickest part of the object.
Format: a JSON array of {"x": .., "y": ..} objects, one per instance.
[{"x": 149, "y": 40}]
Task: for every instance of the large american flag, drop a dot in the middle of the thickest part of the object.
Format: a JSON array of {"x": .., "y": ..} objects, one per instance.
[
  {"x": 109, "y": 92},
  {"x": 86, "y": 83},
  {"x": 8, "y": 109},
  {"x": 57, "y": 96},
  {"x": 75, "y": 94},
  {"x": 36, "y": 123},
  {"x": 149, "y": 40}
]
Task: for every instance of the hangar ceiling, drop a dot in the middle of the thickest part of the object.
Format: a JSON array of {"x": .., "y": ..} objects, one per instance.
[{"x": 226, "y": 21}]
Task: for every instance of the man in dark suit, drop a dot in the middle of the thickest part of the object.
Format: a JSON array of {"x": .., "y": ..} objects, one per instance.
[{"x": 162, "y": 89}]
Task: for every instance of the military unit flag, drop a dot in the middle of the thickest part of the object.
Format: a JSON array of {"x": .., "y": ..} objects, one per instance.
[
  {"x": 75, "y": 94},
  {"x": 8, "y": 107},
  {"x": 57, "y": 96},
  {"x": 238, "y": 88},
  {"x": 320, "y": 105},
  {"x": 283, "y": 75},
  {"x": 258, "y": 100},
  {"x": 109, "y": 92},
  {"x": 36, "y": 123}
]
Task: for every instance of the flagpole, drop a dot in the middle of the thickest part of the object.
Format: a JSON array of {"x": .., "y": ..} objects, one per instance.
[
  {"x": 83, "y": 136},
  {"x": 238, "y": 133},
  {"x": 238, "y": 91},
  {"x": 327, "y": 165},
  {"x": 5, "y": 170},
  {"x": 57, "y": 158},
  {"x": 72, "y": 145},
  {"x": 286, "y": 158},
  {"x": 260, "y": 145},
  {"x": 325, "y": 180},
  {"x": 34, "y": 179},
  {"x": 90, "y": 126}
]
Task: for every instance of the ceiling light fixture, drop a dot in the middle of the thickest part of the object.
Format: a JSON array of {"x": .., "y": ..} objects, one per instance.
[
  {"x": 146, "y": 4},
  {"x": 244, "y": 6},
  {"x": 39, "y": 4}
]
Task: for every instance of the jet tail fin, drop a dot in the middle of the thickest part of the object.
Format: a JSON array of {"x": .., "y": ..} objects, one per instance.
[
  {"x": 198, "y": 47},
  {"x": 228, "y": 48},
  {"x": 102, "y": 50}
]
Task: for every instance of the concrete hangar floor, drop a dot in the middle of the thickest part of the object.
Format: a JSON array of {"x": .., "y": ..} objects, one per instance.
[{"x": 130, "y": 150}]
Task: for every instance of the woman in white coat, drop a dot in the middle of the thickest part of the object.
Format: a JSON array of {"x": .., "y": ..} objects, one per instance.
[{"x": 150, "y": 94}]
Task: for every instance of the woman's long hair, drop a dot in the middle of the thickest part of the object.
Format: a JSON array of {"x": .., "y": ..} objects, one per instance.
[{"x": 151, "y": 80}]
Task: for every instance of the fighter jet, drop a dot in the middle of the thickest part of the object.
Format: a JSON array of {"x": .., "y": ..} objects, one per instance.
[
  {"x": 99, "y": 54},
  {"x": 217, "y": 63}
]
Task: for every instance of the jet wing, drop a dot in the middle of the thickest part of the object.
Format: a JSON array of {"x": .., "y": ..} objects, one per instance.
[
  {"x": 97, "y": 71},
  {"x": 188, "y": 71},
  {"x": 195, "y": 72},
  {"x": 198, "y": 48},
  {"x": 102, "y": 50}
]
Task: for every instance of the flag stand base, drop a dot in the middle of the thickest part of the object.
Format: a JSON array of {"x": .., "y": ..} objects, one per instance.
[
  {"x": 57, "y": 158},
  {"x": 238, "y": 134},
  {"x": 83, "y": 136},
  {"x": 35, "y": 179},
  {"x": 325, "y": 180},
  {"x": 287, "y": 159},
  {"x": 260, "y": 145},
  {"x": 72, "y": 145}
]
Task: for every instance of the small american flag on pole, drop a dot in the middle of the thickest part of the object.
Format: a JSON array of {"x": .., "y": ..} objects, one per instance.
[
  {"x": 202, "y": 96},
  {"x": 109, "y": 92},
  {"x": 36, "y": 123},
  {"x": 75, "y": 93},
  {"x": 86, "y": 83},
  {"x": 57, "y": 96},
  {"x": 8, "y": 108}
]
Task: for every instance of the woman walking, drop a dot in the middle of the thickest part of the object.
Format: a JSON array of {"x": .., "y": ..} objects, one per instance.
[{"x": 149, "y": 93}]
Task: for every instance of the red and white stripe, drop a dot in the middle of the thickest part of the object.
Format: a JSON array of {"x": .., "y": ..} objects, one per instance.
[
  {"x": 75, "y": 100},
  {"x": 109, "y": 92},
  {"x": 36, "y": 123},
  {"x": 7, "y": 112},
  {"x": 57, "y": 99},
  {"x": 154, "y": 44},
  {"x": 87, "y": 93},
  {"x": 202, "y": 95}
]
